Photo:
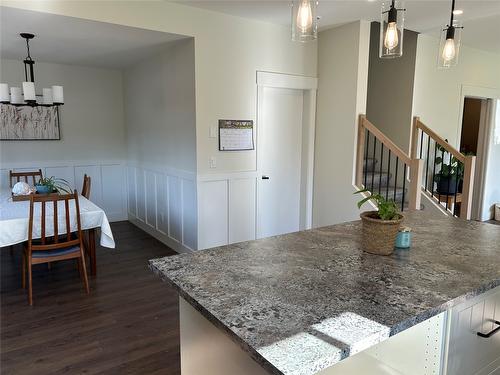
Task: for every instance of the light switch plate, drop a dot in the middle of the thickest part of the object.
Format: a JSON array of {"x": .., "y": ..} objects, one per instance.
[
  {"x": 212, "y": 133},
  {"x": 213, "y": 162}
]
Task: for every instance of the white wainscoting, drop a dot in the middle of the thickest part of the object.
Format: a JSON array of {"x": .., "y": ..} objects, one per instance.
[
  {"x": 162, "y": 201},
  {"x": 227, "y": 208},
  {"x": 108, "y": 189}
]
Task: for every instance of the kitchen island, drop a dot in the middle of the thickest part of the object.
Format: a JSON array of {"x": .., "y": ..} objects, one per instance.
[{"x": 306, "y": 302}]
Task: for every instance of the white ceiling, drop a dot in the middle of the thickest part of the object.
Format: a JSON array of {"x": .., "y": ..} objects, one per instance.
[
  {"x": 68, "y": 40},
  {"x": 481, "y": 18}
]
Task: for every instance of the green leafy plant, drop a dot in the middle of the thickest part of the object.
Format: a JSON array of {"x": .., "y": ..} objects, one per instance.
[
  {"x": 387, "y": 209},
  {"x": 454, "y": 169},
  {"x": 55, "y": 184}
]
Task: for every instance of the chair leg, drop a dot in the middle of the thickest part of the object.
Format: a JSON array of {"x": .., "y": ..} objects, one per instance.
[
  {"x": 84, "y": 269},
  {"x": 23, "y": 271},
  {"x": 30, "y": 282}
]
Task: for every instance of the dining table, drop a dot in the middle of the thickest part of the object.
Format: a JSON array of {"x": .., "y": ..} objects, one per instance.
[{"x": 14, "y": 221}]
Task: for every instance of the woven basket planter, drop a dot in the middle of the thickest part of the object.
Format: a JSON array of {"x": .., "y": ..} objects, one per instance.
[{"x": 378, "y": 236}]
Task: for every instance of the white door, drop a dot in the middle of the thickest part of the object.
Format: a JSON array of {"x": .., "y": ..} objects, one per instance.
[{"x": 279, "y": 153}]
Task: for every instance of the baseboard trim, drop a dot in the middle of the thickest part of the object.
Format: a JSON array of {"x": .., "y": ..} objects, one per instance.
[{"x": 170, "y": 242}]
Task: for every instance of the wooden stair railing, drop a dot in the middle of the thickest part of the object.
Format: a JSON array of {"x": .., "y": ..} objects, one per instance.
[
  {"x": 392, "y": 153},
  {"x": 421, "y": 140}
]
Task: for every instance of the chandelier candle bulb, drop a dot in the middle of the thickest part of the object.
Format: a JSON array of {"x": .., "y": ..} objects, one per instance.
[
  {"x": 4, "y": 93},
  {"x": 29, "y": 92},
  {"x": 47, "y": 96},
  {"x": 57, "y": 94},
  {"x": 16, "y": 95}
]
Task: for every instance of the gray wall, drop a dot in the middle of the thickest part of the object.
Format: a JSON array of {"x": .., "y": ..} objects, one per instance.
[
  {"x": 160, "y": 108},
  {"x": 92, "y": 123},
  {"x": 390, "y": 88}
]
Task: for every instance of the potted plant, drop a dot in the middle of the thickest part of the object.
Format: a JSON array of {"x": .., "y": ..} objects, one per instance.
[
  {"x": 379, "y": 228},
  {"x": 449, "y": 179},
  {"x": 52, "y": 185}
]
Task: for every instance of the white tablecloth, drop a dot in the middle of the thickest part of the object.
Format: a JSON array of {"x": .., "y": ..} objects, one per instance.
[{"x": 14, "y": 220}]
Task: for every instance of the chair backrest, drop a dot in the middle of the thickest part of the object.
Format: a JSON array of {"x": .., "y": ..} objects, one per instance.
[
  {"x": 86, "y": 186},
  {"x": 57, "y": 242},
  {"x": 25, "y": 176}
]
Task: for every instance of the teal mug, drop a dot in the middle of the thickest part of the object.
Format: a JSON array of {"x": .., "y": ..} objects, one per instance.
[{"x": 403, "y": 239}]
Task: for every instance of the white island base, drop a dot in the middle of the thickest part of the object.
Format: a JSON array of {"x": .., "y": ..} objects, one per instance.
[{"x": 446, "y": 344}]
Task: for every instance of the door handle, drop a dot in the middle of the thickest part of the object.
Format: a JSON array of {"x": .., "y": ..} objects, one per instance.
[
  {"x": 265, "y": 177},
  {"x": 492, "y": 332}
]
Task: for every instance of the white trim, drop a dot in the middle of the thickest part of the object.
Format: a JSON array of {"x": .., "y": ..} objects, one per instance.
[
  {"x": 288, "y": 81},
  {"x": 226, "y": 176}
]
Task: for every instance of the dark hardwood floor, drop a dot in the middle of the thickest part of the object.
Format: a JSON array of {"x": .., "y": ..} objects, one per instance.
[{"x": 127, "y": 325}]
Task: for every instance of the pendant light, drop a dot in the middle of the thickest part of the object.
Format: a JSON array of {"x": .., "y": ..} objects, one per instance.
[
  {"x": 392, "y": 19},
  {"x": 26, "y": 95},
  {"x": 304, "y": 20},
  {"x": 449, "y": 45}
]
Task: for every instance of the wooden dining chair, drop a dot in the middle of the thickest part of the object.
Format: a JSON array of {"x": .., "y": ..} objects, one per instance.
[
  {"x": 25, "y": 176},
  {"x": 86, "y": 186},
  {"x": 55, "y": 247}
]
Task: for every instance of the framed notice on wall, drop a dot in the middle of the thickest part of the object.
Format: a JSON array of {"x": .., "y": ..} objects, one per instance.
[{"x": 235, "y": 135}]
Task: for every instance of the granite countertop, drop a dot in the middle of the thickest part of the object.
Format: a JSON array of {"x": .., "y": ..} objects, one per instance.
[{"x": 301, "y": 302}]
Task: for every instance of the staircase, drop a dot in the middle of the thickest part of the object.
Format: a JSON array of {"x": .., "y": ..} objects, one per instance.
[
  {"x": 382, "y": 182},
  {"x": 383, "y": 168}
]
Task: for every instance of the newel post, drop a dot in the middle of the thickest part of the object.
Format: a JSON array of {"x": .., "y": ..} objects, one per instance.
[
  {"x": 468, "y": 187},
  {"x": 360, "y": 151},
  {"x": 416, "y": 170}
]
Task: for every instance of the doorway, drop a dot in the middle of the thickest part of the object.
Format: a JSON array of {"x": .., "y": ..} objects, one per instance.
[
  {"x": 285, "y": 149},
  {"x": 477, "y": 138}
]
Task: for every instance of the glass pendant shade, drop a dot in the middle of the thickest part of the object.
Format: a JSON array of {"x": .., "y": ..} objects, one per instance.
[
  {"x": 304, "y": 20},
  {"x": 449, "y": 45},
  {"x": 391, "y": 29}
]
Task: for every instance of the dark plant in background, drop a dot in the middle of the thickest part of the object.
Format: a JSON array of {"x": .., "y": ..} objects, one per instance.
[
  {"x": 451, "y": 174},
  {"x": 387, "y": 209}
]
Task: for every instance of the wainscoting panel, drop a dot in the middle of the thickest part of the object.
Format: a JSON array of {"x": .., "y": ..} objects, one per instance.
[
  {"x": 175, "y": 208},
  {"x": 227, "y": 208},
  {"x": 213, "y": 214},
  {"x": 166, "y": 204},
  {"x": 108, "y": 189},
  {"x": 242, "y": 203}
]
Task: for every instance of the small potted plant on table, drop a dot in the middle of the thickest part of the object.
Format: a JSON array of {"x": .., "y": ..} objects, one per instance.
[
  {"x": 379, "y": 228},
  {"x": 51, "y": 185}
]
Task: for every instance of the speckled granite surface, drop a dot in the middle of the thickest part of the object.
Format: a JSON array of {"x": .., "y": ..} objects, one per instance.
[{"x": 301, "y": 302}]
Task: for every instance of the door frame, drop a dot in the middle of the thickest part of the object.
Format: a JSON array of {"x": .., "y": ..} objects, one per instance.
[
  {"x": 478, "y": 92},
  {"x": 309, "y": 86}
]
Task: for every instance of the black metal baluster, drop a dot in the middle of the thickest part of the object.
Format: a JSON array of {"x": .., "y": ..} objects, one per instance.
[
  {"x": 373, "y": 171},
  {"x": 404, "y": 186},
  {"x": 381, "y": 162},
  {"x": 396, "y": 178},
  {"x": 456, "y": 191},
  {"x": 388, "y": 174},
  {"x": 427, "y": 161},
  {"x": 421, "y": 142},
  {"x": 366, "y": 156},
  {"x": 434, "y": 168},
  {"x": 440, "y": 175}
]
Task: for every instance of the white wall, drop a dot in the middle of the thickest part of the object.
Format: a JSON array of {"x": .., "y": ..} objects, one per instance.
[
  {"x": 92, "y": 125},
  {"x": 161, "y": 139},
  {"x": 92, "y": 133},
  {"x": 229, "y": 51},
  {"x": 491, "y": 193},
  {"x": 437, "y": 92},
  {"x": 342, "y": 89}
]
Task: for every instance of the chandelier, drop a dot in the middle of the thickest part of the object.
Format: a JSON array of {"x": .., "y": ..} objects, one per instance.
[{"x": 26, "y": 95}]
